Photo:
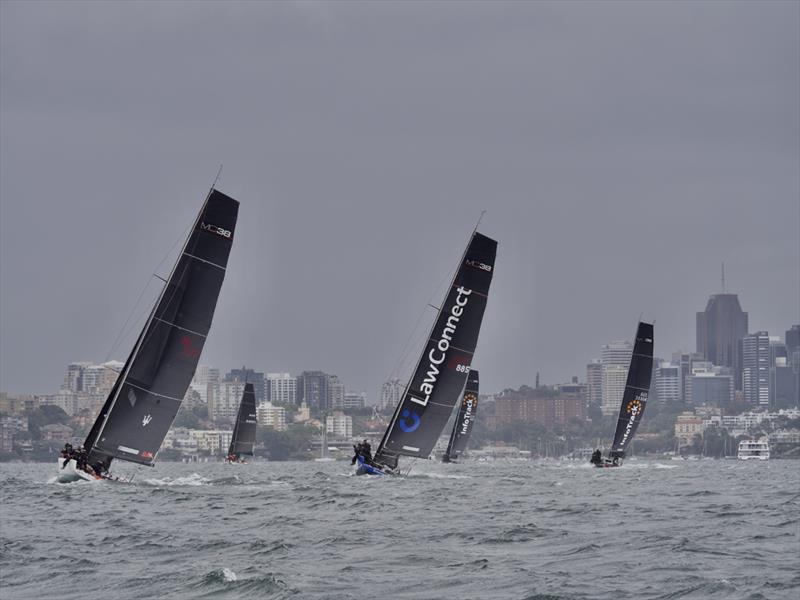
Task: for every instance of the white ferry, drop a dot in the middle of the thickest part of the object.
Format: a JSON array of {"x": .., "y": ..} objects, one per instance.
[{"x": 753, "y": 450}]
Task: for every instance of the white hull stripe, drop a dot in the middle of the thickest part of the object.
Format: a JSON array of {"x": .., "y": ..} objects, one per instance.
[{"x": 127, "y": 450}]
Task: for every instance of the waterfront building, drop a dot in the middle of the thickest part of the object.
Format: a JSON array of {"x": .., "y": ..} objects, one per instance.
[
  {"x": 687, "y": 425},
  {"x": 282, "y": 389},
  {"x": 720, "y": 329},
  {"x": 339, "y": 426},
  {"x": 755, "y": 368}
]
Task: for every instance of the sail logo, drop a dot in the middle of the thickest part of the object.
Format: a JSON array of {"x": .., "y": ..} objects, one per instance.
[
  {"x": 470, "y": 403},
  {"x": 634, "y": 408},
  {"x": 146, "y": 420},
  {"x": 479, "y": 265},
  {"x": 132, "y": 398},
  {"x": 214, "y": 229},
  {"x": 437, "y": 354},
  {"x": 414, "y": 424}
]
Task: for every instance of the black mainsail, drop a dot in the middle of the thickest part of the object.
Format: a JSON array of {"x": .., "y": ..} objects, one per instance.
[
  {"x": 637, "y": 388},
  {"x": 147, "y": 395},
  {"x": 465, "y": 419},
  {"x": 244, "y": 432},
  {"x": 443, "y": 367}
]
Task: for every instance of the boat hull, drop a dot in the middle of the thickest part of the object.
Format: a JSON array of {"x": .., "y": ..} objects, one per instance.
[
  {"x": 366, "y": 469},
  {"x": 70, "y": 473}
]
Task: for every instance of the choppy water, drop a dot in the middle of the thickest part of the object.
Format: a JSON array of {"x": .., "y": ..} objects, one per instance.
[{"x": 704, "y": 529}]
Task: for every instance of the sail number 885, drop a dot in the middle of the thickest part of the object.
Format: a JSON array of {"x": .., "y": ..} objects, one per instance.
[{"x": 462, "y": 368}]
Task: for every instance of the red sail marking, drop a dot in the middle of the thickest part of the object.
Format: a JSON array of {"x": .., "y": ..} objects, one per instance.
[{"x": 188, "y": 348}]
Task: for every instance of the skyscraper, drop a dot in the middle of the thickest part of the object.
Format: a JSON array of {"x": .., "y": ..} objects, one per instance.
[
  {"x": 720, "y": 329},
  {"x": 755, "y": 368}
]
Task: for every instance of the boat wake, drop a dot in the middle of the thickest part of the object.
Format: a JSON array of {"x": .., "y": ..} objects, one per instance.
[
  {"x": 195, "y": 479},
  {"x": 437, "y": 476}
]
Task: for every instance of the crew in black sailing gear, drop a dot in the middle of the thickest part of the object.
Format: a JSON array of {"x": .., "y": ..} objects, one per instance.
[
  {"x": 366, "y": 451},
  {"x": 356, "y": 453},
  {"x": 597, "y": 458}
]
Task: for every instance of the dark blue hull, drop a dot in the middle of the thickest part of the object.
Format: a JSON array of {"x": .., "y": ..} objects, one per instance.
[{"x": 365, "y": 468}]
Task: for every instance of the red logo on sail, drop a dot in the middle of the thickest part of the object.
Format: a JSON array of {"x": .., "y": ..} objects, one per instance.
[{"x": 188, "y": 347}]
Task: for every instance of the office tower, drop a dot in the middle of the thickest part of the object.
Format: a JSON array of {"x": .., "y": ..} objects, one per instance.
[{"x": 720, "y": 329}]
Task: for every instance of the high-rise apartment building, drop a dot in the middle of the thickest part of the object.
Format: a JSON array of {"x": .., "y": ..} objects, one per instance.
[
  {"x": 755, "y": 368},
  {"x": 594, "y": 382},
  {"x": 668, "y": 383},
  {"x": 225, "y": 406},
  {"x": 282, "y": 388},
  {"x": 249, "y": 376},
  {"x": 335, "y": 393},
  {"x": 614, "y": 379},
  {"x": 616, "y": 359},
  {"x": 269, "y": 415},
  {"x": 339, "y": 426},
  {"x": 391, "y": 394},
  {"x": 720, "y": 330},
  {"x": 312, "y": 388}
]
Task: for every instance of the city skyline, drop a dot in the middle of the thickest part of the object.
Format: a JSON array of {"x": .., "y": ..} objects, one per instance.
[{"x": 616, "y": 181}]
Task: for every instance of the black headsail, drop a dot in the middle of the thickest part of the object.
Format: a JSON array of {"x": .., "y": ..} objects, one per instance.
[
  {"x": 465, "y": 419},
  {"x": 244, "y": 432},
  {"x": 637, "y": 388},
  {"x": 148, "y": 393},
  {"x": 442, "y": 369}
]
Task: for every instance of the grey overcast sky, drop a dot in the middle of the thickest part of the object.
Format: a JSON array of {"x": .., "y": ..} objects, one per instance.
[{"x": 622, "y": 151}]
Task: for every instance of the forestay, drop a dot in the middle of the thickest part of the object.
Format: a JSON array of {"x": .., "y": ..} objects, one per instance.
[
  {"x": 441, "y": 372},
  {"x": 637, "y": 389},
  {"x": 148, "y": 393}
]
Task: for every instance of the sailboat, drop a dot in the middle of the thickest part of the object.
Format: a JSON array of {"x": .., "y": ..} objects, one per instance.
[
  {"x": 150, "y": 388},
  {"x": 244, "y": 432},
  {"x": 443, "y": 365},
  {"x": 465, "y": 419},
  {"x": 634, "y": 399},
  {"x": 324, "y": 454}
]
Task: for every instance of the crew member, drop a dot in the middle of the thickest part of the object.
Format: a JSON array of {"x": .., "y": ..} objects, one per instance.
[{"x": 597, "y": 458}]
